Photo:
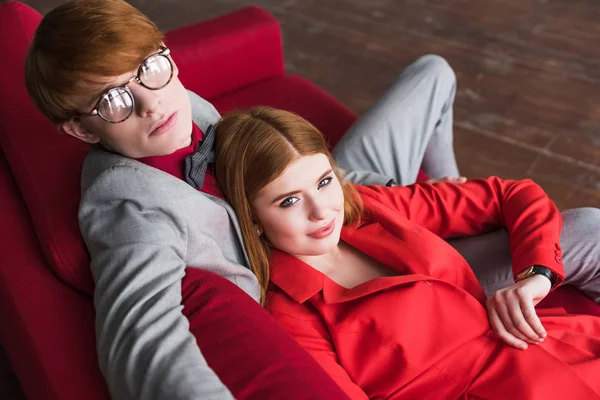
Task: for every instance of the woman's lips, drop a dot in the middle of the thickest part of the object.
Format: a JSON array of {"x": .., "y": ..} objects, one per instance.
[
  {"x": 165, "y": 126},
  {"x": 323, "y": 232}
]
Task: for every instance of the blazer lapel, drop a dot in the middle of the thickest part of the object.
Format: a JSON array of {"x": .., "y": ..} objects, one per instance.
[{"x": 235, "y": 223}]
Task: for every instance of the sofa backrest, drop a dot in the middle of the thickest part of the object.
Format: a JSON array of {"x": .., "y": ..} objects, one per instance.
[{"x": 46, "y": 164}]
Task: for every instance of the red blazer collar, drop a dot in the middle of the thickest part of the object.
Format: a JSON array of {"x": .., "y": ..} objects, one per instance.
[
  {"x": 300, "y": 281},
  {"x": 297, "y": 279}
]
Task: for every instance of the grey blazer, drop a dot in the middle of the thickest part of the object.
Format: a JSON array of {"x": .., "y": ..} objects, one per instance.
[{"x": 142, "y": 227}]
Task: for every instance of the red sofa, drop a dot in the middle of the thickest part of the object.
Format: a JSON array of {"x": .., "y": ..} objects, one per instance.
[{"x": 46, "y": 309}]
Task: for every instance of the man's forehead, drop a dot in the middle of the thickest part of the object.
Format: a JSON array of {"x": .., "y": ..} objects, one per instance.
[{"x": 99, "y": 85}]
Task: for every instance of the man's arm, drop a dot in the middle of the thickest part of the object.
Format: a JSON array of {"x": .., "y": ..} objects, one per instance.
[
  {"x": 368, "y": 178},
  {"x": 137, "y": 243}
]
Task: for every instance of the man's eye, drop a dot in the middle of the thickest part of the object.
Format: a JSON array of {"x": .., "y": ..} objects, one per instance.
[
  {"x": 325, "y": 182},
  {"x": 288, "y": 202}
]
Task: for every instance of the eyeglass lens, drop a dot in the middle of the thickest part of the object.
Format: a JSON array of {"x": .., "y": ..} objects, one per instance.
[
  {"x": 117, "y": 103},
  {"x": 155, "y": 72}
]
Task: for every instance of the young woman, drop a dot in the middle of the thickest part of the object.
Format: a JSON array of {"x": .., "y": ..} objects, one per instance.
[{"x": 363, "y": 278}]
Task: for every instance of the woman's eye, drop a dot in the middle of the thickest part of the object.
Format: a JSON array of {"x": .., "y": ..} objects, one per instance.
[
  {"x": 325, "y": 182},
  {"x": 288, "y": 202}
]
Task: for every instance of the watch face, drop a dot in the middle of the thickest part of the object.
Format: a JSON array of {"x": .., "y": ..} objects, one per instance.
[{"x": 526, "y": 273}]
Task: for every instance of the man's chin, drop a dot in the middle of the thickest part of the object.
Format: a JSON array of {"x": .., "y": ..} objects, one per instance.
[{"x": 186, "y": 142}]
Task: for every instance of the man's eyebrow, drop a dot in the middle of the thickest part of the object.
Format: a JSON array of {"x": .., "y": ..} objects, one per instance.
[
  {"x": 298, "y": 191},
  {"x": 93, "y": 99}
]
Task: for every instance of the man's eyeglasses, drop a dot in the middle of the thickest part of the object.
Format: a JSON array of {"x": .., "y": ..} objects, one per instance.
[{"x": 117, "y": 104}]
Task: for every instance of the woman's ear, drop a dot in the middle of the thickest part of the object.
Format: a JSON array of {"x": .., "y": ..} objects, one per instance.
[{"x": 74, "y": 128}]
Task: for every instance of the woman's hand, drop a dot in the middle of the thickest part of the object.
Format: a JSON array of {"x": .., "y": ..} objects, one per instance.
[
  {"x": 451, "y": 179},
  {"x": 512, "y": 314}
]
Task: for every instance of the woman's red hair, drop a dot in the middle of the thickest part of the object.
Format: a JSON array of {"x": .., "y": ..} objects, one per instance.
[{"x": 253, "y": 148}]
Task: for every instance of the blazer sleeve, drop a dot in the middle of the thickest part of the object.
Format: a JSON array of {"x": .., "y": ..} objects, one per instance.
[
  {"x": 368, "y": 178},
  {"x": 310, "y": 332},
  {"x": 136, "y": 237},
  {"x": 478, "y": 206}
]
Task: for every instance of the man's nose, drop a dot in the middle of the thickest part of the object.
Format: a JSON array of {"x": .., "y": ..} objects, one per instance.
[{"x": 146, "y": 101}]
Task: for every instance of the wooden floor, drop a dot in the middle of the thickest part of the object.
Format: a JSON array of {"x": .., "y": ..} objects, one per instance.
[{"x": 528, "y": 102}]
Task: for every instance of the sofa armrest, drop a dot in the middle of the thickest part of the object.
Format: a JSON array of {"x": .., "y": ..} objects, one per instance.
[
  {"x": 228, "y": 52},
  {"x": 46, "y": 327}
]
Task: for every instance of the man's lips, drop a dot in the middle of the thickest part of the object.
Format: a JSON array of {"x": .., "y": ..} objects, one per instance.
[
  {"x": 163, "y": 125},
  {"x": 324, "y": 231}
]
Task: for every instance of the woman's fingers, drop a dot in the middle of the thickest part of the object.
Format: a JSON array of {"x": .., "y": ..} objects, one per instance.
[
  {"x": 533, "y": 320},
  {"x": 503, "y": 309},
  {"x": 512, "y": 312},
  {"x": 520, "y": 323},
  {"x": 500, "y": 330}
]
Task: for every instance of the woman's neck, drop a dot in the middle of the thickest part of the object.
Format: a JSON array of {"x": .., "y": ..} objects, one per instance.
[
  {"x": 327, "y": 263},
  {"x": 347, "y": 266}
]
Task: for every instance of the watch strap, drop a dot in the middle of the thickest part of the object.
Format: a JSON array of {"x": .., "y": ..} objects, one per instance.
[{"x": 538, "y": 270}]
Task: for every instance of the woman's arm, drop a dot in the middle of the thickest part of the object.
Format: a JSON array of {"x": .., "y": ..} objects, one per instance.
[{"x": 478, "y": 206}]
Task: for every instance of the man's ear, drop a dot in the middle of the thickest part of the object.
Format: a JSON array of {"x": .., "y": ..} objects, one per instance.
[{"x": 74, "y": 128}]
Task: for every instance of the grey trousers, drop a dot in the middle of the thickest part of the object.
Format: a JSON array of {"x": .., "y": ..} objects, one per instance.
[{"x": 411, "y": 128}]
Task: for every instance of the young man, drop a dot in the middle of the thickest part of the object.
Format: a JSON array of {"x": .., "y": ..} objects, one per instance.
[{"x": 99, "y": 70}]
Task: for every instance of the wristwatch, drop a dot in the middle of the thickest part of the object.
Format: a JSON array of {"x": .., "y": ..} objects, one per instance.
[{"x": 537, "y": 270}]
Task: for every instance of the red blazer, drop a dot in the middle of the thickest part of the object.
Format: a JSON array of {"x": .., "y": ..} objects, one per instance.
[{"x": 424, "y": 334}]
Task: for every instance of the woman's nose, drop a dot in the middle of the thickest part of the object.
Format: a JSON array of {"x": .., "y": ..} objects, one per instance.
[{"x": 317, "y": 210}]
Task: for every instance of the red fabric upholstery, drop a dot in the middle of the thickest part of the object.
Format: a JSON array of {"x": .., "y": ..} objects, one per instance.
[
  {"x": 46, "y": 327},
  {"x": 296, "y": 94},
  {"x": 227, "y": 54},
  {"x": 46, "y": 311}
]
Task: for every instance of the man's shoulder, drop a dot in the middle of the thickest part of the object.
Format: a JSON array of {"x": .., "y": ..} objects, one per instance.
[
  {"x": 113, "y": 171},
  {"x": 99, "y": 161},
  {"x": 204, "y": 113}
]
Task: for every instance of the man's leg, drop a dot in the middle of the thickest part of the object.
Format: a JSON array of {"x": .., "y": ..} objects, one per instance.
[
  {"x": 409, "y": 128},
  {"x": 490, "y": 258}
]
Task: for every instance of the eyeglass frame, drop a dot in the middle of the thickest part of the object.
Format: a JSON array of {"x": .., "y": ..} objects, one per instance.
[{"x": 164, "y": 51}]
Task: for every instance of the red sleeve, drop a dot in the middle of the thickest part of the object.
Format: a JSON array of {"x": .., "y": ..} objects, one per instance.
[
  {"x": 480, "y": 205},
  {"x": 304, "y": 325}
]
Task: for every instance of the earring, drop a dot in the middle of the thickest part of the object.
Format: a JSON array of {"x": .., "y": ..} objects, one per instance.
[{"x": 258, "y": 231}]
